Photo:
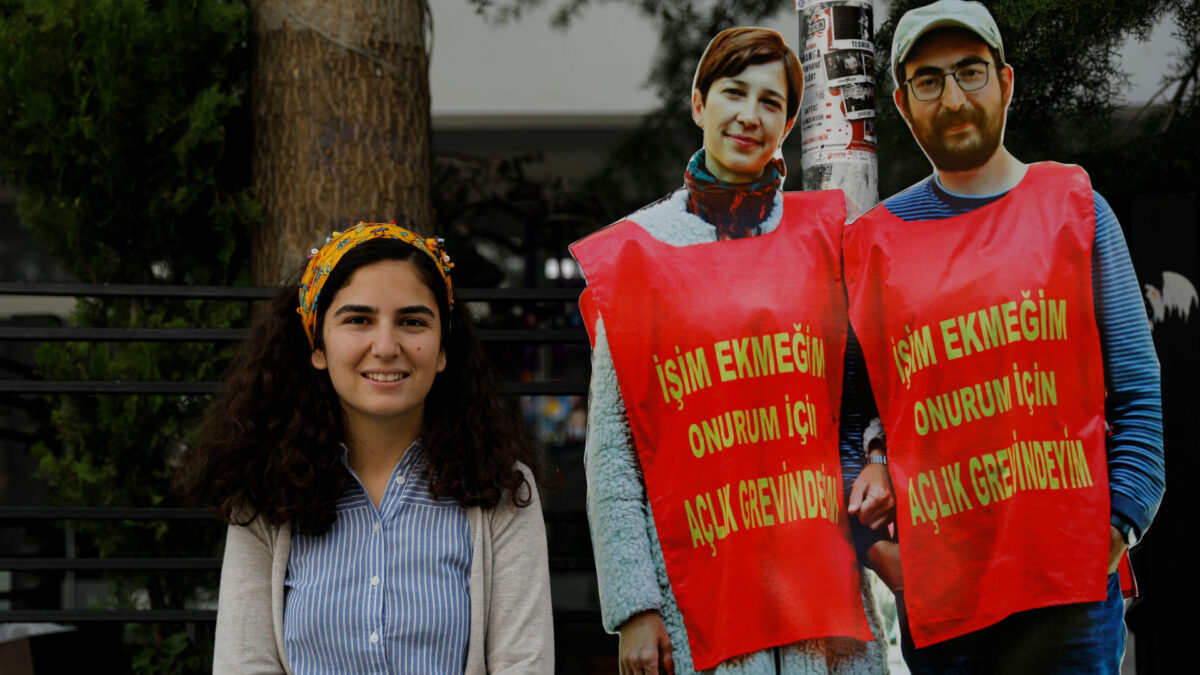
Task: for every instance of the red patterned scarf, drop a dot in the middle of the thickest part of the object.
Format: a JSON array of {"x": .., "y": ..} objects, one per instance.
[{"x": 735, "y": 209}]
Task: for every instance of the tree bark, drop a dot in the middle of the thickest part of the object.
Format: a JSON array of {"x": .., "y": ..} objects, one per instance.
[{"x": 341, "y": 123}]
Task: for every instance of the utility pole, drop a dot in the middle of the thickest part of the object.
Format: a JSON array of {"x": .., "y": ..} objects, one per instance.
[{"x": 837, "y": 112}]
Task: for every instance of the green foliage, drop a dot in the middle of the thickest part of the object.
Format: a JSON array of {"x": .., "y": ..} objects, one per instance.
[
  {"x": 175, "y": 650},
  {"x": 124, "y": 124},
  {"x": 115, "y": 120}
]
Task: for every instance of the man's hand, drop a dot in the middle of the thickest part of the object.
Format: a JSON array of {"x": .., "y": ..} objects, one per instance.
[
  {"x": 871, "y": 497},
  {"x": 1116, "y": 546},
  {"x": 645, "y": 647},
  {"x": 884, "y": 558}
]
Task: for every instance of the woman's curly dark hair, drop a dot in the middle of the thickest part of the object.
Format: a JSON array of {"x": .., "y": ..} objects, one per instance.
[{"x": 269, "y": 446}]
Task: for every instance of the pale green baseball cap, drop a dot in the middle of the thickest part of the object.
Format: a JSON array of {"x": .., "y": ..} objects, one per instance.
[{"x": 943, "y": 14}]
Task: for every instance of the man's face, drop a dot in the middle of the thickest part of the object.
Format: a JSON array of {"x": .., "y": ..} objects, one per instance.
[{"x": 958, "y": 130}]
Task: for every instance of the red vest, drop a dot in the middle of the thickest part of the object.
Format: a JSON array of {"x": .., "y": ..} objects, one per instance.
[
  {"x": 729, "y": 360},
  {"x": 982, "y": 347}
]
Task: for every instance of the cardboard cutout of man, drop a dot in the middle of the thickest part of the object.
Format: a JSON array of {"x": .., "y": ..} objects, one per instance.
[{"x": 1008, "y": 348}]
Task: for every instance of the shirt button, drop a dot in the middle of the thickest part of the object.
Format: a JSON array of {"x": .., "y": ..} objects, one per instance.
[
  {"x": 399, "y": 480},
  {"x": 374, "y": 638},
  {"x": 376, "y": 527},
  {"x": 375, "y": 580}
]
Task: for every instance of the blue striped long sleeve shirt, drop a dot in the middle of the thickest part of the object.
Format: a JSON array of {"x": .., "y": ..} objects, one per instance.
[{"x": 385, "y": 590}]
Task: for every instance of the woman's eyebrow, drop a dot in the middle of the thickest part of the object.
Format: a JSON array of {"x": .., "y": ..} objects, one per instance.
[
  {"x": 355, "y": 309},
  {"x": 746, "y": 85},
  {"x": 415, "y": 309}
]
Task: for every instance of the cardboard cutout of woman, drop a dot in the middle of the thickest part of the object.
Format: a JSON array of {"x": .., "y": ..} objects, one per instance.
[{"x": 715, "y": 477}]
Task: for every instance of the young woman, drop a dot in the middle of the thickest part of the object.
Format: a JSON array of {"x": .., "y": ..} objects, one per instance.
[
  {"x": 718, "y": 322},
  {"x": 382, "y": 511}
]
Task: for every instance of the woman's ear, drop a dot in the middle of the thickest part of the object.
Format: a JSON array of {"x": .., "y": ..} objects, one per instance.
[
  {"x": 697, "y": 108},
  {"x": 318, "y": 359}
]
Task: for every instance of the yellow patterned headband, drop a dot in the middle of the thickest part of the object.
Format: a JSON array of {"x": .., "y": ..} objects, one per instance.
[{"x": 322, "y": 261}]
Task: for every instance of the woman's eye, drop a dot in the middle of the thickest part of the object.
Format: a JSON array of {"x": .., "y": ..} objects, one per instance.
[
  {"x": 732, "y": 92},
  {"x": 413, "y": 322},
  {"x": 772, "y": 104},
  {"x": 357, "y": 320}
]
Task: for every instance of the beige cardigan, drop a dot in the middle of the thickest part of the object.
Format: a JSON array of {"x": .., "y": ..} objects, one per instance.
[{"x": 512, "y": 630}]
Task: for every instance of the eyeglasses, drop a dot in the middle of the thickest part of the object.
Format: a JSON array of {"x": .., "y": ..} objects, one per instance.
[{"x": 929, "y": 86}]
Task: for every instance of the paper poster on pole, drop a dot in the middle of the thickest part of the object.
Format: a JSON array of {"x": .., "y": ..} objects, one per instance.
[{"x": 837, "y": 114}]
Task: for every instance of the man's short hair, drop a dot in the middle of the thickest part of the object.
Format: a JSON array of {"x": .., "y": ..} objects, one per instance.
[{"x": 733, "y": 49}]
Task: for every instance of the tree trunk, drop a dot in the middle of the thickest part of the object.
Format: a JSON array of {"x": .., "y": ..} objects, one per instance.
[{"x": 341, "y": 122}]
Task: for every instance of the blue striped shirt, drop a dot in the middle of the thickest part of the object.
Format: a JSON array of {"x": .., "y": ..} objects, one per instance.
[
  {"x": 384, "y": 590},
  {"x": 858, "y": 408},
  {"x": 1136, "y": 471}
]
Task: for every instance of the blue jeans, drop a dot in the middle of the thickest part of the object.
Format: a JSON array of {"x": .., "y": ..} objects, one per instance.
[{"x": 1087, "y": 637}]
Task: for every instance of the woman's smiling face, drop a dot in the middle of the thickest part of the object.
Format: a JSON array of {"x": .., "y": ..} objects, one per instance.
[
  {"x": 381, "y": 341},
  {"x": 744, "y": 118}
]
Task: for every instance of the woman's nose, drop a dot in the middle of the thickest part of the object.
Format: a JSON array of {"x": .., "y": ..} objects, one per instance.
[
  {"x": 747, "y": 113},
  {"x": 384, "y": 343}
]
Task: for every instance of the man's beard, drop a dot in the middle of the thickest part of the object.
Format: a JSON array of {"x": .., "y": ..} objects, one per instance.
[{"x": 966, "y": 155}]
